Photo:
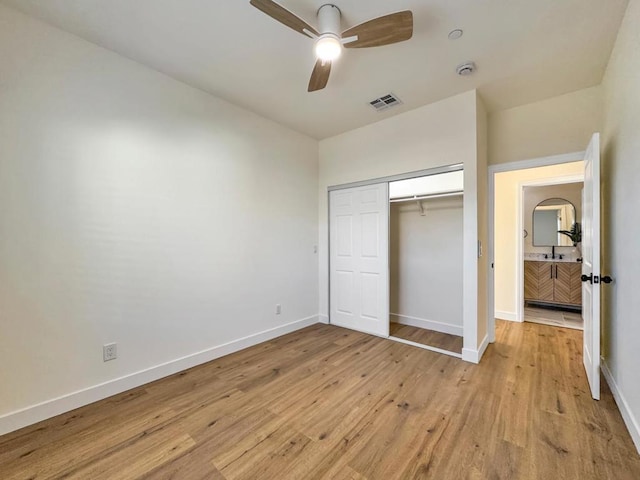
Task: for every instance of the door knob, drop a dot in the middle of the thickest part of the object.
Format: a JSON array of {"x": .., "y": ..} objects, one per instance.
[
  {"x": 587, "y": 278},
  {"x": 606, "y": 279}
]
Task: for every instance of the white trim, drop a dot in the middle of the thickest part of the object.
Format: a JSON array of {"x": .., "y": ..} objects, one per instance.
[
  {"x": 537, "y": 162},
  {"x": 441, "y": 327},
  {"x": 323, "y": 319},
  {"x": 474, "y": 356},
  {"x": 510, "y": 316},
  {"x": 425, "y": 347},
  {"x": 491, "y": 171},
  {"x": 627, "y": 415},
  {"x": 400, "y": 176},
  {"x": 50, "y": 408}
]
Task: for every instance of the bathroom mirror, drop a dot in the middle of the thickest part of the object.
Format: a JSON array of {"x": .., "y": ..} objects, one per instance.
[{"x": 550, "y": 216}]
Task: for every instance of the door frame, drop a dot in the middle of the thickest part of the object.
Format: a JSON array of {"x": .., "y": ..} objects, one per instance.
[
  {"x": 492, "y": 171},
  {"x": 542, "y": 182}
]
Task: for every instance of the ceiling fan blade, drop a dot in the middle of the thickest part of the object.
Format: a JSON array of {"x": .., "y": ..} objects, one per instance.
[
  {"x": 393, "y": 28},
  {"x": 319, "y": 76},
  {"x": 284, "y": 16}
]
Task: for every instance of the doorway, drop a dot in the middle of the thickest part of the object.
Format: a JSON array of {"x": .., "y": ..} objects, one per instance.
[
  {"x": 591, "y": 278},
  {"x": 511, "y": 238},
  {"x": 550, "y": 258}
]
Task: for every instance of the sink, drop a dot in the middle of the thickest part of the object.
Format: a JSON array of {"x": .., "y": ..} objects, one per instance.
[{"x": 539, "y": 257}]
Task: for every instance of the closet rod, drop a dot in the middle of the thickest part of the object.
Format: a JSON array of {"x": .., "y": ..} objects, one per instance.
[{"x": 425, "y": 197}]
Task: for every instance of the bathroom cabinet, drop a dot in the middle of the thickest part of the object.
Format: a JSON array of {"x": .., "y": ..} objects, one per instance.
[{"x": 553, "y": 282}]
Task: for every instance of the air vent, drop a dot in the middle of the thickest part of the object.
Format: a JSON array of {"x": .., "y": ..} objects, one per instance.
[
  {"x": 385, "y": 102},
  {"x": 465, "y": 69}
]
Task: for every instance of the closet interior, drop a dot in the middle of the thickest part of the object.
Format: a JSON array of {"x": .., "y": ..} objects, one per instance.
[{"x": 426, "y": 261}]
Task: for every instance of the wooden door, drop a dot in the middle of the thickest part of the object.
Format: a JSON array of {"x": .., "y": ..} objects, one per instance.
[{"x": 359, "y": 258}]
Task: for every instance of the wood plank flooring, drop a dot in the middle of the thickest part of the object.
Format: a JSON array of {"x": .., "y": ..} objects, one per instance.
[
  {"x": 452, "y": 343},
  {"x": 329, "y": 403}
]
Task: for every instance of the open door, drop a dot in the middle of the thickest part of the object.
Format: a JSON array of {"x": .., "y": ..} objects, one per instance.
[
  {"x": 591, "y": 265},
  {"x": 359, "y": 258}
]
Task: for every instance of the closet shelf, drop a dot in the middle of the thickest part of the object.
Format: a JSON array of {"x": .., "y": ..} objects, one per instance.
[{"x": 425, "y": 197}]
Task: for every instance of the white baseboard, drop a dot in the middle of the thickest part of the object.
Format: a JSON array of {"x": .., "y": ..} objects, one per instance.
[
  {"x": 323, "y": 319},
  {"x": 474, "y": 356},
  {"x": 511, "y": 316},
  {"x": 12, "y": 421},
  {"x": 627, "y": 415},
  {"x": 427, "y": 324}
]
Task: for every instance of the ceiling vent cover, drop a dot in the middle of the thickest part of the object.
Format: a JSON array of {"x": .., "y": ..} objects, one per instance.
[
  {"x": 385, "y": 102},
  {"x": 466, "y": 68}
]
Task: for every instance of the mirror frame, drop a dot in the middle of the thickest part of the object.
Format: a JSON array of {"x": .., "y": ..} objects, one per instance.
[{"x": 533, "y": 220}]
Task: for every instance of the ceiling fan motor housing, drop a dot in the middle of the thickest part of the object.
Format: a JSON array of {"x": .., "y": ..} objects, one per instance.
[
  {"x": 328, "y": 44},
  {"x": 329, "y": 20}
]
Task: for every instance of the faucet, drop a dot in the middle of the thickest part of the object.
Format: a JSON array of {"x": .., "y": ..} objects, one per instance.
[{"x": 553, "y": 252}]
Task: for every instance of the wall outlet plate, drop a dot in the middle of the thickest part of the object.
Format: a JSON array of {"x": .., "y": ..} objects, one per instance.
[
  {"x": 278, "y": 309},
  {"x": 109, "y": 352}
]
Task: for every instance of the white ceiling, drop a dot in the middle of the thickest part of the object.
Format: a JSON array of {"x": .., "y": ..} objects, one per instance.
[{"x": 525, "y": 50}]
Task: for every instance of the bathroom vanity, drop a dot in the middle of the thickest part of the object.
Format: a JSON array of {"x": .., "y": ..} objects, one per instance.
[{"x": 554, "y": 282}]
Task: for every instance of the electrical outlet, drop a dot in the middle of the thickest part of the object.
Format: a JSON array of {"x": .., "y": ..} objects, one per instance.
[
  {"x": 109, "y": 352},
  {"x": 278, "y": 309}
]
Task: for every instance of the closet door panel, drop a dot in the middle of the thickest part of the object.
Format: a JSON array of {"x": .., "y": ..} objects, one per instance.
[
  {"x": 370, "y": 295},
  {"x": 344, "y": 225},
  {"x": 344, "y": 292},
  {"x": 359, "y": 258}
]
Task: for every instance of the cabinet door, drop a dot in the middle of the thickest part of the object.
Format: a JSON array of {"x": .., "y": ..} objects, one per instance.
[
  {"x": 546, "y": 280},
  {"x": 562, "y": 287},
  {"x": 576, "y": 283},
  {"x": 531, "y": 280}
]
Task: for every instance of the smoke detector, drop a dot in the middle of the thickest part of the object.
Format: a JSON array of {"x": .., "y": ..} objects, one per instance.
[{"x": 466, "y": 68}]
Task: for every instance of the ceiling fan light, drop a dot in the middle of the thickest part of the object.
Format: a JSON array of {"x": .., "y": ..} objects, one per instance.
[{"x": 328, "y": 48}]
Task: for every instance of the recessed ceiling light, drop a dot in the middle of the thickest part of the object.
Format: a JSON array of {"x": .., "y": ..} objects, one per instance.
[{"x": 455, "y": 34}]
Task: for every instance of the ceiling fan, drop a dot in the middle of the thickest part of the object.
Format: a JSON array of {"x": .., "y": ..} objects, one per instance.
[{"x": 329, "y": 41}]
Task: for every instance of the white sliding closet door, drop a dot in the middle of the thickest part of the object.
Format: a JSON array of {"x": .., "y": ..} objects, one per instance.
[{"x": 359, "y": 258}]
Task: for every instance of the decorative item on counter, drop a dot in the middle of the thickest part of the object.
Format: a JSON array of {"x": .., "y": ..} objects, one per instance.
[{"x": 575, "y": 234}]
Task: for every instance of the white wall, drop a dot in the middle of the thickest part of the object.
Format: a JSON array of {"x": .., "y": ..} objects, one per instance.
[
  {"x": 137, "y": 210},
  {"x": 426, "y": 268},
  {"x": 506, "y": 234},
  {"x": 550, "y": 127},
  {"x": 443, "y": 133},
  {"x": 482, "y": 152},
  {"x": 621, "y": 222}
]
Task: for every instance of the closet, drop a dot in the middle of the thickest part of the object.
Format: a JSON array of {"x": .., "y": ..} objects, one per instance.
[
  {"x": 425, "y": 260},
  {"x": 396, "y": 258}
]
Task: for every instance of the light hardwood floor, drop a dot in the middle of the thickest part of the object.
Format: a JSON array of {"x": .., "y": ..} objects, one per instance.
[
  {"x": 452, "y": 343},
  {"x": 329, "y": 403}
]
